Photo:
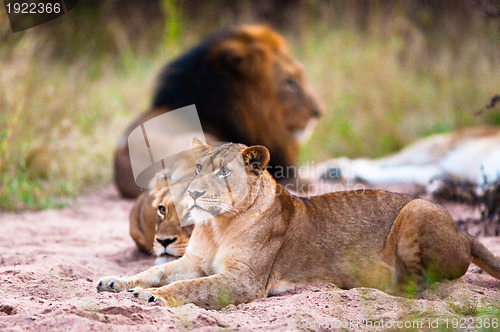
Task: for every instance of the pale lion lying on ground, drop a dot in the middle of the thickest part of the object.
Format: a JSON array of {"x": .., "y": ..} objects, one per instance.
[
  {"x": 471, "y": 154},
  {"x": 273, "y": 241}
]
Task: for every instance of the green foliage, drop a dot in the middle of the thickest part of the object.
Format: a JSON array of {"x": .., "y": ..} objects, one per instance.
[
  {"x": 173, "y": 22},
  {"x": 474, "y": 308},
  {"x": 464, "y": 309},
  {"x": 60, "y": 122},
  {"x": 223, "y": 297},
  {"x": 410, "y": 289},
  {"x": 393, "y": 82}
]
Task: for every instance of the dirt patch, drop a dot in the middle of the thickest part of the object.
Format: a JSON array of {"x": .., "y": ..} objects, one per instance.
[{"x": 50, "y": 262}]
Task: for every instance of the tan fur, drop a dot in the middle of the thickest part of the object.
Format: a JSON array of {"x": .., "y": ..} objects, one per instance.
[
  {"x": 152, "y": 230},
  {"x": 277, "y": 241},
  {"x": 142, "y": 222},
  {"x": 262, "y": 94}
]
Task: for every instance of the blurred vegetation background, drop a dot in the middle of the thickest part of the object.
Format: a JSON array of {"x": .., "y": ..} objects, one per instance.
[{"x": 388, "y": 71}]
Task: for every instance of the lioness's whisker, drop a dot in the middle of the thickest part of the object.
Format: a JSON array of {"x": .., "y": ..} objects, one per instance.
[{"x": 229, "y": 208}]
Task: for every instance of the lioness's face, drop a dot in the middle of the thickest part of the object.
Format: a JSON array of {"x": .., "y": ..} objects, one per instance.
[
  {"x": 170, "y": 237},
  {"x": 224, "y": 180}
]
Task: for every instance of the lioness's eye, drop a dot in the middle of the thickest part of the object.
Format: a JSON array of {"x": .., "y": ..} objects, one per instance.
[
  {"x": 223, "y": 172},
  {"x": 198, "y": 169},
  {"x": 291, "y": 82},
  {"x": 162, "y": 210}
]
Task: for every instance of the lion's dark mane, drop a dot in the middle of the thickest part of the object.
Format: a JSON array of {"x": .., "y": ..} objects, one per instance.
[{"x": 190, "y": 79}]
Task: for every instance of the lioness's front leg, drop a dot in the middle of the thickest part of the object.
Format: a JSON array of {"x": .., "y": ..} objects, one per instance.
[
  {"x": 213, "y": 292},
  {"x": 185, "y": 267}
]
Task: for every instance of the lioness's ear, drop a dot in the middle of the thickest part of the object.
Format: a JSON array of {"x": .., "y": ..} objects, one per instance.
[
  {"x": 256, "y": 158},
  {"x": 159, "y": 181},
  {"x": 198, "y": 148},
  {"x": 197, "y": 143}
]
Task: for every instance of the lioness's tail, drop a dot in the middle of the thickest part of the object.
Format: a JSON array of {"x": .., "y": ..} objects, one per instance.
[{"x": 483, "y": 258}]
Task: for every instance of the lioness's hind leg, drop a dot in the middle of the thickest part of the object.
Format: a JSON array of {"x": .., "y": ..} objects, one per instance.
[{"x": 429, "y": 246}]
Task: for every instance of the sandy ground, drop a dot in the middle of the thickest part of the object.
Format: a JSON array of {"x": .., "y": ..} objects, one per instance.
[{"x": 51, "y": 260}]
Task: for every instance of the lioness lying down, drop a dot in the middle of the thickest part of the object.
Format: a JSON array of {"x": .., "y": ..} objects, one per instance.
[
  {"x": 153, "y": 221},
  {"x": 470, "y": 154},
  {"x": 155, "y": 227},
  {"x": 273, "y": 241}
]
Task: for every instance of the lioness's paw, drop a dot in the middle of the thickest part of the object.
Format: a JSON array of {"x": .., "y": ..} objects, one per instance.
[
  {"x": 113, "y": 284},
  {"x": 147, "y": 295}
]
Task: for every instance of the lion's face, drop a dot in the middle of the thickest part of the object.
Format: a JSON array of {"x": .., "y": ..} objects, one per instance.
[
  {"x": 260, "y": 58},
  {"x": 226, "y": 180},
  {"x": 170, "y": 237},
  {"x": 275, "y": 105},
  {"x": 300, "y": 106}
]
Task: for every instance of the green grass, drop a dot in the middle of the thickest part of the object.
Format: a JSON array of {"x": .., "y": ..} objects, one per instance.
[
  {"x": 474, "y": 314},
  {"x": 465, "y": 309},
  {"x": 60, "y": 122},
  {"x": 68, "y": 89},
  {"x": 388, "y": 85}
]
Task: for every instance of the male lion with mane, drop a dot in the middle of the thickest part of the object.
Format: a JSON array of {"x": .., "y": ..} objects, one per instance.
[
  {"x": 246, "y": 88},
  {"x": 272, "y": 241}
]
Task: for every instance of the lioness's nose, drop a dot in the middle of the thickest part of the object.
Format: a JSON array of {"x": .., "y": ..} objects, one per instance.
[
  {"x": 166, "y": 242},
  {"x": 196, "y": 194}
]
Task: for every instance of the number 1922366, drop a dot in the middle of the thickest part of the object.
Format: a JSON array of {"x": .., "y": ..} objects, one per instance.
[
  {"x": 472, "y": 323},
  {"x": 33, "y": 7}
]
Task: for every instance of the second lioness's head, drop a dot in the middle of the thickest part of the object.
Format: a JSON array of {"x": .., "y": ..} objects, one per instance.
[
  {"x": 170, "y": 237},
  {"x": 226, "y": 180}
]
